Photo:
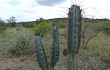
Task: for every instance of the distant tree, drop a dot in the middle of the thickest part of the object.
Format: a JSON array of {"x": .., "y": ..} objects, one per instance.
[
  {"x": 41, "y": 20},
  {"x": 1, "y": 21},
  {"x": 105, "y": 26},
  {"x": 2, "y": 25},
  {"x": 12, "y": 21}
]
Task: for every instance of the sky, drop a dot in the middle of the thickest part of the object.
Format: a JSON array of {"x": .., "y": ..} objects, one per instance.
[{"x": 31, "y": 10}]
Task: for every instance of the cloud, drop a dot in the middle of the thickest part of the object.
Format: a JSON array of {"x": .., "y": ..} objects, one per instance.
[
  {"x": 30, "y": 10},
  {"x": 49, "y": 2},
  {"x": 14, "y": 2}
]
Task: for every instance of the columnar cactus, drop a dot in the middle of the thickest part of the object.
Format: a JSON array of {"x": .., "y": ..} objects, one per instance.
[
  {"x": 74, "y": 39},
  {"x": 74, "y": 29},
  {"x": 40, "y": 53},
  {"x": 55, "y": 46},
  {"x": 74, "y": 32}
]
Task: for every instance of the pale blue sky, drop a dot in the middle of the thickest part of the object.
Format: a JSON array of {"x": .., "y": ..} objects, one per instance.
[{"x": 30, "y": 10}]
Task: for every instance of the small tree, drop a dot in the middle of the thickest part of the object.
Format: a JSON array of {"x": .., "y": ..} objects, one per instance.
[
  {"x": 42, "y": 26},
  {"x": 90, "y": 29},
  {"x": 12, "y": 21},
  {"x": 105, "y": 25},
  {"x": 2, "y": 25}
]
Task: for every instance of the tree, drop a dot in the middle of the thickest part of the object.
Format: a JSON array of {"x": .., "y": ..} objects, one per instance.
[
  {"x": 12, "y": 21},
  {"x": 42, "y": 26},
  {"x": 2, "y": 25},
  {"x": 105, "y": 25},
  {"x": 89, "y": 30}
]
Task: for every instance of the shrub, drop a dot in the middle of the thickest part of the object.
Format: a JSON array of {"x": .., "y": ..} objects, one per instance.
[
  {"x": 23, "y": 43},
  {"x": 105, "y": 25},
  {"x": 2, "y": 26},
  {"x": 61, "y": 24},
  {"x": 42, "y": 27}
]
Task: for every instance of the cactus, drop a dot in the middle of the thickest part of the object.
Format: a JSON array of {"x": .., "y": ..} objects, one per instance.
[
  {"x": 55, "y": 46},
  {"x": 74, "y": 39},
  {"x": 71, "y": 30},
  {"x": 40, "y": 53},
  {"x": 74, "y": 33},
  {"x": 74, "y": 29}
]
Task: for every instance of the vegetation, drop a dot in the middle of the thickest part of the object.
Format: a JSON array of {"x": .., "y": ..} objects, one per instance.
[
  {"x": 22, "y": 44},
  {"x": 17, "y": 48},
  {"x": 12, "y": 21},
  {"x": 42, "y": 27},
  {"x": 105, "y": 26},
  {"x": 61, "y": 24},
  {"x": 2, "y": 25}
]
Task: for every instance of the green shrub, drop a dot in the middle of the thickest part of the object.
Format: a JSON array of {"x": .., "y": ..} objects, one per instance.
[
  {"x": 2, "y": 26},
  {"x": 61, "y": 24},
  {"x": 105, "y": 26},
  {"x": 42, "y": 27},
  {"x": 106, "y": 59},
  {"x": 23, "y": 43}
]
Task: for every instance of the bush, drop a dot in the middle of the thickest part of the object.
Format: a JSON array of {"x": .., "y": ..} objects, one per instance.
[
  {"x": 106, "y": 58},
  {"x": 20, "y": 48},
  {"x": 42, "y": 27},
  {"x": 61, "y": 24},
  {"x": 2, "y": 26},
  {"x": 105, "y": 25},
  {"x": 23, "y": 43}
]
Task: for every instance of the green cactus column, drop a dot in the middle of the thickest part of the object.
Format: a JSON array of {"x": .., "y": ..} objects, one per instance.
[
  {"x": 40, "y": 54},
  {"x": 74, "y": 30},
  {"x": 54, "y": 47}
]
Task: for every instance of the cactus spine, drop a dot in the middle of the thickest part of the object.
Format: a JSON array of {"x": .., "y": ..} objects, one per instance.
[{"x": 41, "y": 55}]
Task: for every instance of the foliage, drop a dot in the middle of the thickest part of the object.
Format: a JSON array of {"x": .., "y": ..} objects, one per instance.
[
  {"x": 90, "y": 29},
  {"x": 61, "y": 24},
  {"x": 23, "y": 43},
  {"x": 42, "y": 26},
  {"x": 2, "y": 26},
  {"x": 105, "y": 26},
  {"x": 28, "y": 24},
  {"x": 12, "y": 21},
  {"x": 88, "y": 58}
]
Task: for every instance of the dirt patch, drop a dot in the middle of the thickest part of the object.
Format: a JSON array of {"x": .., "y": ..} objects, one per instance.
[{"x": 8, "y": 63}]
